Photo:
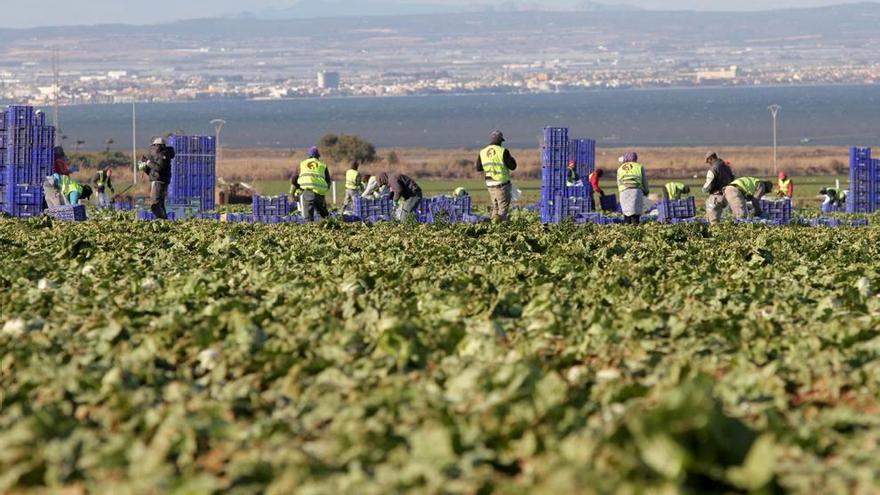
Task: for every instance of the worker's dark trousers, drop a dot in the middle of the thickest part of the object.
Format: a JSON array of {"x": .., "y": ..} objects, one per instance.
[
  {"x": 313, "y": 202},
  {"x": 158, "y": 194},
  {"x": 632, "y": 219},
  {"x": 407, "y": 209}
]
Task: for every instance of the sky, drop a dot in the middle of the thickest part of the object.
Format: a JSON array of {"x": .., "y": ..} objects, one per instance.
[{"x": 73, "y": 12}]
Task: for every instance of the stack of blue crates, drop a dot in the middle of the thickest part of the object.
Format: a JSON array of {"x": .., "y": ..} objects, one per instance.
[
  {"x": 863, "y": 183},
  {"x": 271, "y": 205},
  {"x": 193, "y": 171},
  {"x": 373, "y": 209},
  {"x": 68, "y": 213},
  {"x": 668, "y": 210},
  {"x": 450, "y": 209},
  {"x": 556, "y": 196},
  {"x": 27, "y": 158},
  {"x": 778, "y": 212}
]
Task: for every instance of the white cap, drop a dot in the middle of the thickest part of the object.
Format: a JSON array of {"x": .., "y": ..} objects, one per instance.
[{"x": 159, "y": 140}]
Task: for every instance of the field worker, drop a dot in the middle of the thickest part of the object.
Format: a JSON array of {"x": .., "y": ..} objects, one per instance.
[
  {"x": 103, "y": 184},
  {"x": 405, "y": 192},
  {"x": 62, "y": 164},
  {"x": 785, "y": 188},
  {"x": 595, "y": 177},
  {"x": 352, "y": 185},
  {"x": 718, "y": 177},
  {"x": 744, "y": 190},
  {"x": 374, "y": 190},
  {"x": 632, "y": 184},
  {"x": 572, "y": 178},
  {"x": 460, "y": 192},
  {"x": 158, "y": 167},
  {"x": 313, "y": 178},
  {"x": 674, "y": 191},
  {"x": 496, "y": 163},
  {"x": 62, "y": 190},
  {"x": 833, "y": 197}
]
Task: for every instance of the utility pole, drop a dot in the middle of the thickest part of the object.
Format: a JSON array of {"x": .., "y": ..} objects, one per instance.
[
  {"x": 134, "y": 160},
  {"x": 55, "y": 90},
  {"x": 218, "y": 126},
  {"x": 774, "y": 111}
]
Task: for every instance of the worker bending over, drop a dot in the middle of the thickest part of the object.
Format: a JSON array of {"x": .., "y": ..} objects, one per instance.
[
  {"x": 62, "y": 190},
  {"x": 674, "y": 191},
  {"x": 632, "y": 184},
  {"x": 496, "y": 163},
  {"x": 833, "y": 197},
  {"x": 595, "y": 177},
  {"x": 405, "y": 192},
  {"x": 744, "y": 190},
  {"x": 313, "y": 178}
]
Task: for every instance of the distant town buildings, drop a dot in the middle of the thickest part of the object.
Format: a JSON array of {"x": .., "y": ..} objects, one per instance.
[{"x": 328, "y": 80}]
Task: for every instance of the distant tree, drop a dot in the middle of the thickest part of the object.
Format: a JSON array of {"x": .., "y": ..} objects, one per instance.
[
  {"x": 393, "y": 159},
  {"x": 344, "y": 148}
]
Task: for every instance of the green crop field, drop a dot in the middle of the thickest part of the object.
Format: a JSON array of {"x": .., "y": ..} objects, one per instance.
[{"x": 198, "y": 357}]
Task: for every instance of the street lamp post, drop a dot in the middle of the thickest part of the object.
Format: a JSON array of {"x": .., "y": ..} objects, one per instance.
[
  {"x": 218, "y": 126},
  {"x": 774, "y": 111}
]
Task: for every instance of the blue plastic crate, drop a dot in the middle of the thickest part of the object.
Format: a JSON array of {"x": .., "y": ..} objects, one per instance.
[
  {"x": 68, "y": 213},
  {"x": 271, "y": 205},
  {"x": 23, "y": 210},
  {"x": 555, "y": 137},
  {"x": 23, "y": 195},
  {"x": 147, "y": 215},
  {"x": 675, "y": 209},
  {"x": 609, "y": 203},
  {"x": 366, "y": 208}
]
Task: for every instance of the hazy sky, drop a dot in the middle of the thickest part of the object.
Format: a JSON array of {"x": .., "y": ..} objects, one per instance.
[{"x": 66, "y": 12}]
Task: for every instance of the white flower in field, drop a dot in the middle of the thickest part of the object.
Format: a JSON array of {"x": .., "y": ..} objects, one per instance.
[
  {"x": 575, "y": 373},
  {"x": 608, "y": 374},
  {"x": 864, "y": 286},
  {"x": 45, "y": 284},
  {"x": 149, "y": 283},
  {"x": 88, "y": 269},
  {"x": 14, "y": 327}
]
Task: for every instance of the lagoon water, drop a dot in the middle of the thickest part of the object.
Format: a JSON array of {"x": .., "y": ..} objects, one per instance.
[{"x": 813, "y": 115}]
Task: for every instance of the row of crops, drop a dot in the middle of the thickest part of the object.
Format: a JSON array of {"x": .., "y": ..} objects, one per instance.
[{"x": 200, "y": 357}]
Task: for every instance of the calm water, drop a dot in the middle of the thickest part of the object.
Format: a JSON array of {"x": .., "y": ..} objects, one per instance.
[{"x": 828, "y": 115}]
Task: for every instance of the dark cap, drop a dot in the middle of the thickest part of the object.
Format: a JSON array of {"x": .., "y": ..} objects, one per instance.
[
  {"x": 711, "y": 156},
  {"x": 497, "y": 137}
]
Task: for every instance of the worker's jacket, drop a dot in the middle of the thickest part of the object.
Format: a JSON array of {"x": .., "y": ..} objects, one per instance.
[
  {"x": 785, "y": 188},
  {"x": 572, "y": 177},
  {"x": 352, "y": 182},
  {"x": 722, "y": 176},
  {"x": 631, "y": 175},
  {"x": 71, "y": 190},
  {"x": 313, "y": 176},
  {"x": 492, "y": 161},
  {"x": 747, "y": 185},
  {"x": 159, "y": 165},
  {"x": 674, "y": 190},
  {"x": 102, "y": 181}
]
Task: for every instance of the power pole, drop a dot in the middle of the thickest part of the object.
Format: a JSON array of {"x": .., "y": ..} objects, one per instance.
[
  {"x": 774, "y": 111},
  {"x": 55, "y": 90},
  {"x": 218, "y": 126},
  {"x": 134, "y": 160}
]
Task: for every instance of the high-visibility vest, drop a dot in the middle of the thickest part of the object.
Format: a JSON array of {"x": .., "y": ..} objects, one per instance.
[
  {"x": 69, "y": 185},
  {"x": 629, "y": 176},
  {"x": 783, "y": 187},
  {"x": 674, "y": 190},
  {"x": 748, "y": 185},
  {"x": 313, "y": 176},
  {"x": 572, "y": 177},
  {"x": 102, "y": 178},
  {"x": 351, "y": 180},
  {"x": 492, "y": 158}
]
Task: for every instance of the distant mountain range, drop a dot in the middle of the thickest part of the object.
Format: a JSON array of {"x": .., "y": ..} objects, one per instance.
[{"x": 334, "y": 8}]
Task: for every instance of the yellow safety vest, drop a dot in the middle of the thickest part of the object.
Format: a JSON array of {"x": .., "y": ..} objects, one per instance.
[
  {"x": 69, "y": 185},
  {"x": 629, "y": 176},
  {"x": 312, "y": 176},
  {"x": 492, "y": 158},
  {"x": 351, "y": 180},
  {"x": 748, "y": 185},
  {"x": 783, "y": 187},
  {"x": 674, "y": 190}
]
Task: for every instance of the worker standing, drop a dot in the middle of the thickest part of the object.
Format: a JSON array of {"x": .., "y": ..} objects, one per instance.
[
  {"x": 405, "y": 192},
  {"x": 313, "y": 178},
  {"x": 572, "y": 178},
  {"x": 785, "y": 186},
  {"x": 61, "y": 165},
  {"x": 61, "y": 189},
  {"x": 353, "y": 185},
  {"x": 674, "y": 191},
  {"x": 595, "y": 177},
  {"x": 496, "y": 163},
  {"x": 158, "y": 167},
  {"x": 632, "y": 184},
  {"x": 104, "y": 183},
  {"x": 718, "y": 177},
  {"x": 744, "y": 190}
]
